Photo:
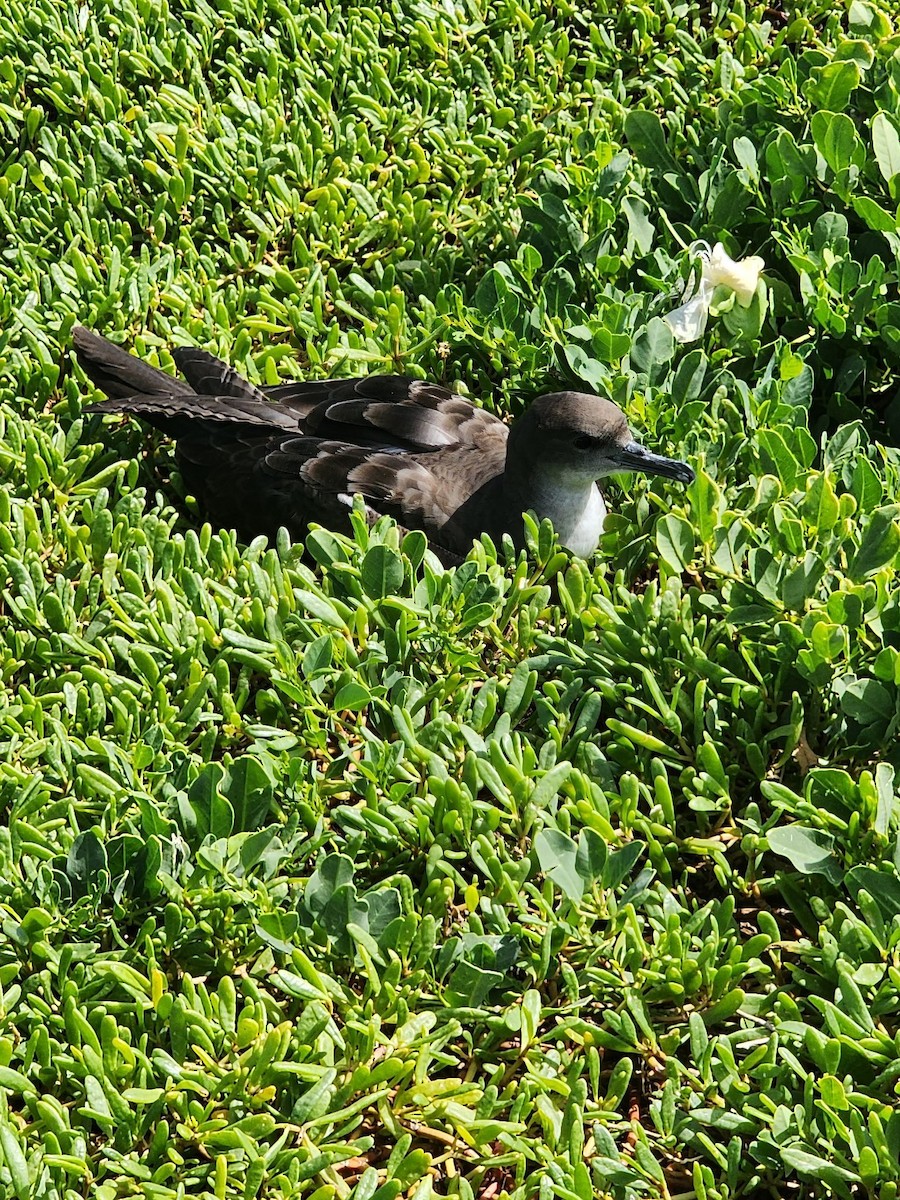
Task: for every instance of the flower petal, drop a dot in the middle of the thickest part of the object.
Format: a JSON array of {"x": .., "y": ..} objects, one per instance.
[
  {"x": 688, "y": 320},
  {"x": 741, "y": 276}
]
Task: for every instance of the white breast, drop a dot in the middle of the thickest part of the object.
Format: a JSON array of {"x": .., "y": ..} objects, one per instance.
[
  {"x": 586, "y": 531},
  {"x": 577, "y": 514}
]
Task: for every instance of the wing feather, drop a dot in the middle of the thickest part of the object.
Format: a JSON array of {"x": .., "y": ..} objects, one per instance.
[{"x": 258, "y": 458}]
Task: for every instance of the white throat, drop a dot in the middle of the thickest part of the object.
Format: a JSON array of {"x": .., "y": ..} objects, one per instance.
[{"x": 576, "y": 509}]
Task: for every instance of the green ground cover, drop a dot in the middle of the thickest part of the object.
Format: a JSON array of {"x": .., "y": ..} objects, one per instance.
[{"x": 347, "y": 876}]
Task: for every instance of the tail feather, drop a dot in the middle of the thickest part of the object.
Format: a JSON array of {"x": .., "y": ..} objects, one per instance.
[
  {"x": 219, "y": 396},
  {"x": 188, "y": 412},
  {"x": 118, "y": 373},
  {"x": 209, "y": 376}
]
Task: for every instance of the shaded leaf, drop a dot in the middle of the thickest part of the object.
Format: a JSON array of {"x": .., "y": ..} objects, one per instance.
[{"x": 809, "y": 851}]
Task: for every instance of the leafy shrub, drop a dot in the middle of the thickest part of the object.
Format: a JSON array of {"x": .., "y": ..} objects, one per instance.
[{"x": 349, "y": 875}]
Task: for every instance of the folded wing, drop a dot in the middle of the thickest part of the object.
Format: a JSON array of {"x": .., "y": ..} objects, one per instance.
[{"x": 258, "y": 458}]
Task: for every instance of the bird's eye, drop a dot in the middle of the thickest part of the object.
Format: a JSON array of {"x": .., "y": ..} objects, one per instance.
[{"x": 586, "y": 443}]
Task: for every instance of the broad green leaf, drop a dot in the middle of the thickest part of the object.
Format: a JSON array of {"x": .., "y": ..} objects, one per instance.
[
  {"x": 640, "y": 228},
  {"x": 470, "y": 986},
  {"x": 86, "y": 860},
  {"x": 414, "y": 546},
  {"x": 880, "y": 543},
  {"x": 553, "y": 228},
  {"x": 729, "y": 545},
  {"x": 765, "y": 571},
  {"x": 585, "y": 366},
  {"x": 868, "y": 701},
  {"x": 653, "y": 348},
  {"x": 646, "y": 137},
  {"x": 382, "y": 571},
  {"x": 745, "y": 153},
  {"x": 591, "y": 857},
  {"x": 352, "y": 696},
  {"x": 325, "y": 547},
  {"x": 834, "y": 1093},
  {"x": 344, "y": 907},
  {"x": 829, "y": 641},
  {"x": 801, "y": 583},
  {"x": 557, "y": 289},
  {"x": 212, "y": 811},
  {"x": 874, "y": 215},
  {"x": 830, "y": 86},
  {"x": 316, "y": 605},
  {"x": 317, "y": 655},
  {"x": 675, "y": 542},
  {"x": 335, "y": 871},
  {"x": 610, "y": 346},
  {"x": 855, "y": 50},
  {"x": 886, "y": 144},
  {"x": 689, "y": 378},
  {"x": 812, "y": 1164},
  {"x": 383, "y": 907},
  {"x": 747, "y": 322},
  {"x": 882, "y": 886},
  {"x": 777, "y": 458},
  {"x": 837, "y": 141},
  {"x": 866, "y": 485},
  {"x": 263, "y": 847},
  {"x": 826, "y": 786},
  {"x": 809, "y": 851},
  {"x": 885, "y": 787},
  {"x": 249, "y": 787},
  {"x": 619, "y": 864},
  {"x": 867, "y": 20},
  {"x": 557, "y": 856},
  {"x": 277, "y": 930}
]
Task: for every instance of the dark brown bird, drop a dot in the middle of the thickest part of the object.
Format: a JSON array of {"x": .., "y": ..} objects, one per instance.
[{"x": 259, "y": 458}]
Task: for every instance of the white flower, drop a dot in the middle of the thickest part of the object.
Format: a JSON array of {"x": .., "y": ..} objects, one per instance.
[
  {"x": 742, "y": 277},
  {"x": 688, "y": 321}
]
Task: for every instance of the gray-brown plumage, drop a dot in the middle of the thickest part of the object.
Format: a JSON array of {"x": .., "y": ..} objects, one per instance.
[{"x": 260, "y": 458}]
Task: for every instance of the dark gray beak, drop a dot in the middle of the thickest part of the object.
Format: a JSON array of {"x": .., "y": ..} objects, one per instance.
[{"x": 633, "y": 457}]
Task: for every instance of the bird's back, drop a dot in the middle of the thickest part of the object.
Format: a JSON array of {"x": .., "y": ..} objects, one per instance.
[{"x": 258, "y": 458}]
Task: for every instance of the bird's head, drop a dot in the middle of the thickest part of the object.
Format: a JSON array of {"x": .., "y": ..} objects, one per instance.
[{"x": 582, "y": 438}]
